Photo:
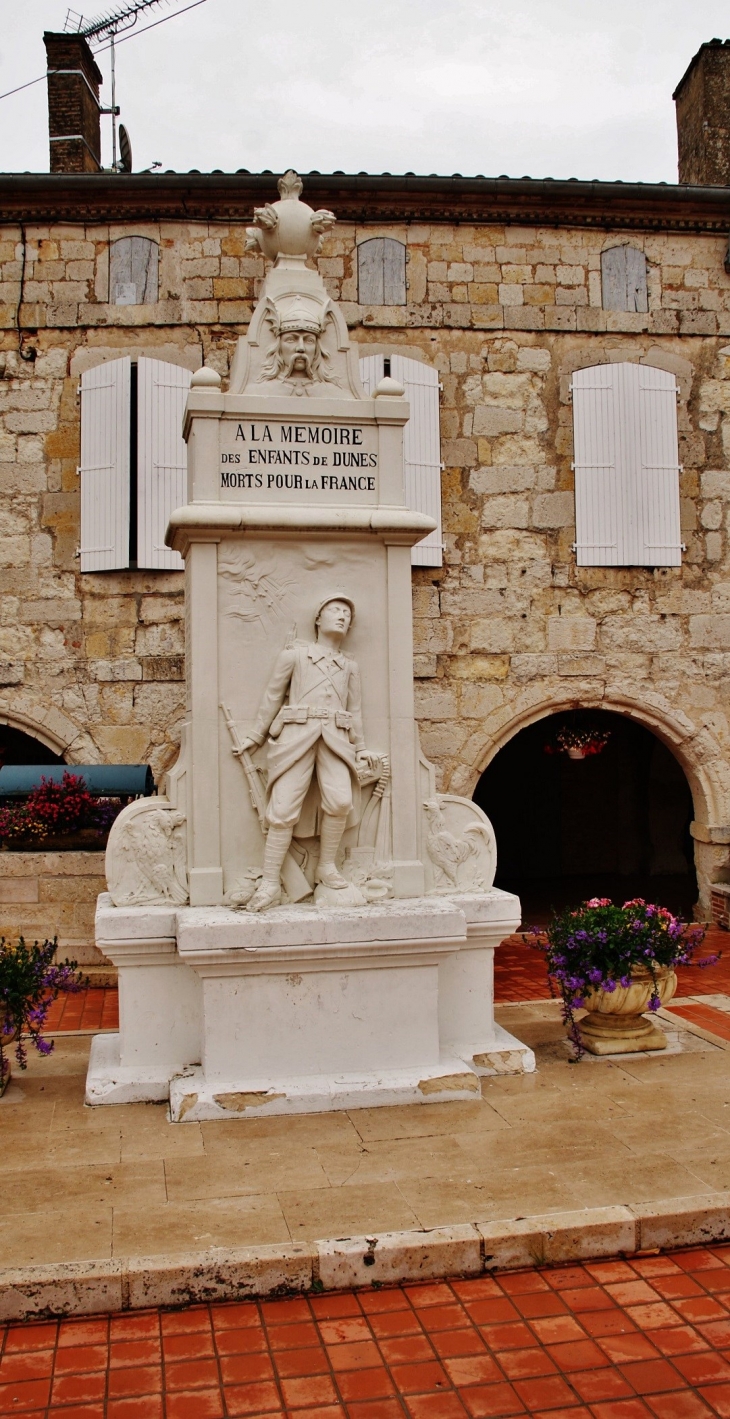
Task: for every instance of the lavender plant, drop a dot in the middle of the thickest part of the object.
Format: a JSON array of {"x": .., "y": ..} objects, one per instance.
[
  {"x": 598, "y": 945},
  {"x": 30, "y": 981}
]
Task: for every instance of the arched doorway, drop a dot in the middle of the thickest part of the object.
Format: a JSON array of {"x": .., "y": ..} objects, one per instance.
[
  {"x": 17, "y": 747},
  {"x": 614, "y": 823}
]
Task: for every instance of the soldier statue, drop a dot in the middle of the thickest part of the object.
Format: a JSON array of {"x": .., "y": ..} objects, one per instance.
[{"x": 317, "y": 731}]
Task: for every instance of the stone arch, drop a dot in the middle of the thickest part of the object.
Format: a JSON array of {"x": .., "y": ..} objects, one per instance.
[
  {"x": 51, "y": 727},
  {"x": 695, "y": 747}
]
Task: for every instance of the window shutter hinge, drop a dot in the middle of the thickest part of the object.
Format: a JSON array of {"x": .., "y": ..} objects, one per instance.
[
  {"x": 574, "y": 546},
  {"x": 441, "y": 387},
  {"x": 442, "y": 466}
]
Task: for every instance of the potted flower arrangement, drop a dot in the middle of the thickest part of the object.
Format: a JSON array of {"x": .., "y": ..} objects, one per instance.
[
  {"x": 616, "y": 962},
  {"x": 578, "y": 741},
  {"x": 57, "y": 816},
  {"x": 30, "y": 981}
]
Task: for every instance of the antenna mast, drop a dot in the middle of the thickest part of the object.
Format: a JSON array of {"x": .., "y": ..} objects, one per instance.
[{"x": 107, "y": 26}]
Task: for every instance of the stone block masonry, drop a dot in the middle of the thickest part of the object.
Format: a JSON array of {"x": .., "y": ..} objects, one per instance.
[
  {"x": 47, "y": 894},
  {"x": 510, "y": 627}
]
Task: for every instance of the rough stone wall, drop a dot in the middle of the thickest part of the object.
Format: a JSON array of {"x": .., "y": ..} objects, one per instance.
[
  {"x": 506, "y": 315},
  {"x": 47, "y": 894}
]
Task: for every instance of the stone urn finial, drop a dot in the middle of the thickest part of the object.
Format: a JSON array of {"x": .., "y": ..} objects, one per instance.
[{"x": 288, "y": 231}]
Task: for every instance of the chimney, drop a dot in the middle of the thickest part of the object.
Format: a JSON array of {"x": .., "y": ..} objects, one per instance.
[
  {"x": 702, "y": 97},
  {"x": 74, "y": 128}
]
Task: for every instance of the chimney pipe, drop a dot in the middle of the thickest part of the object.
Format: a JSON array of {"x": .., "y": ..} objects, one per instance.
[
  {"x": 74, "y": 127},
  {"x": 702, "y": 97}
]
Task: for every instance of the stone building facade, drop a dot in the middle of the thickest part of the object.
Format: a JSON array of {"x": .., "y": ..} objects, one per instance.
[{"x": 506, "y": 296}]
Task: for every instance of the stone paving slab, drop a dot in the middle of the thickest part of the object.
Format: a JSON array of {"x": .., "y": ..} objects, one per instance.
[{"x": 113, "y": 1207}]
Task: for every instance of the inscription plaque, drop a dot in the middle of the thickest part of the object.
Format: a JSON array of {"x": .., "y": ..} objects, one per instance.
[{"x": 276, "y": 460}]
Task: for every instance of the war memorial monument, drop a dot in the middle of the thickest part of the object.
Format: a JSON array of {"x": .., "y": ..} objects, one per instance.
[{"x": 301, "y": 923}]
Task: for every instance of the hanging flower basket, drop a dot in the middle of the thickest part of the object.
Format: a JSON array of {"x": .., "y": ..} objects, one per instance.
[{"x": 578, "y": 742}]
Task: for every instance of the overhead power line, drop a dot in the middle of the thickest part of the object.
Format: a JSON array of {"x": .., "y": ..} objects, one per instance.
[{"x": 122, "y": 40}]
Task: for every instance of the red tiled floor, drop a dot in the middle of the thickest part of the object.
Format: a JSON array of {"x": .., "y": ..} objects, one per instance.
[
  {"x": 708, "y": 1017},
  {"x": 519, "y": 974},
  {"x": 456, "y": 1350},
  {"x": 96, "y": 1008}
]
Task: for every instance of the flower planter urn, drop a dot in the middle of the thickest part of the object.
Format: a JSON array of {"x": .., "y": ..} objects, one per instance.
[
  {"x": 616, "y": 1024},
  {"x": 6, "y": 1039}
]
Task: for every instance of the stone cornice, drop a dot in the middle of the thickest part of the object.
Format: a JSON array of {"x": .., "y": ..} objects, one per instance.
[{"x": 365, "y": 198}]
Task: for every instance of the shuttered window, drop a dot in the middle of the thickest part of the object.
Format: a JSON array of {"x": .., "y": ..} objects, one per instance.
[
  {"x": 421, "y": 444},
  {"x": 161, "y": 459},
  {"x": 623, "y": 279},
  {"x": 626, "y": 466},
  {"x": 133, "y": 271},
  {"x": 381, "y": 272},
  {"x": 119, "y": 472},
  {"x": 104, "y": 470}
]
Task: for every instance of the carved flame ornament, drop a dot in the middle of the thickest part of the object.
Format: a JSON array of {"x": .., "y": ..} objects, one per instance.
[{"x": 288, "y": 231}]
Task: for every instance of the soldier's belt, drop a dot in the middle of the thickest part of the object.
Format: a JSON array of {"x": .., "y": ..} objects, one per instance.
[{"x": 299, "y": 714}]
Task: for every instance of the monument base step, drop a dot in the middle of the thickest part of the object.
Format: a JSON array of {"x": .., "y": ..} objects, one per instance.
[
  {"x": 193, "y": 1097},
  {"x": 109, "y": 1082},
  {"x": 507, "y": 1055}
]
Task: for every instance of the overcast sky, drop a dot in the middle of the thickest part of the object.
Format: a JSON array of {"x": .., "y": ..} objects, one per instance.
[{"x": 545, "y": 88}]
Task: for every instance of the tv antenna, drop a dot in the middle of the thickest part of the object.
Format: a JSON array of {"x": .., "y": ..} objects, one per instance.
[{"x": 115, "y": 21}]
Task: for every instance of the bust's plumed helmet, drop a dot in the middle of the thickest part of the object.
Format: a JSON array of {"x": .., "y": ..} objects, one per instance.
[{"x": 335, "y": 596}]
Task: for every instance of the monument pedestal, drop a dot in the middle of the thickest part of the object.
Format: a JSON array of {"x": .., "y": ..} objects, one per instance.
[{"x": 303, "y": 1009}]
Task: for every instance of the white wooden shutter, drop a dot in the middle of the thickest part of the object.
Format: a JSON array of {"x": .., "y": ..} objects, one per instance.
[
  {"x": 659, "y": 482},
  {"x": 421, "y": 444},
  {"x": 371, "y": 372},
  {"x": 162, "y": 390},
  {"x": 626, "y": 466},
  {"x": 104, "y": 466}
]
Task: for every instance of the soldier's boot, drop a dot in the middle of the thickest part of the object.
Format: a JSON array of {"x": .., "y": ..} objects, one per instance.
[
  {"x": 268, "y": 892},
  {"x": 329, "y": 841}
]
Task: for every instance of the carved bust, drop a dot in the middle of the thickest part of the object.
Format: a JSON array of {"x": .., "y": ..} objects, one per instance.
[
  {"x": 296, "y": 363},
  {"x": 297, "y": 343}
]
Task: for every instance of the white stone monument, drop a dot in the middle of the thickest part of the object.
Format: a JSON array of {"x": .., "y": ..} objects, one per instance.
[{"x": 302, "y": 922}]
